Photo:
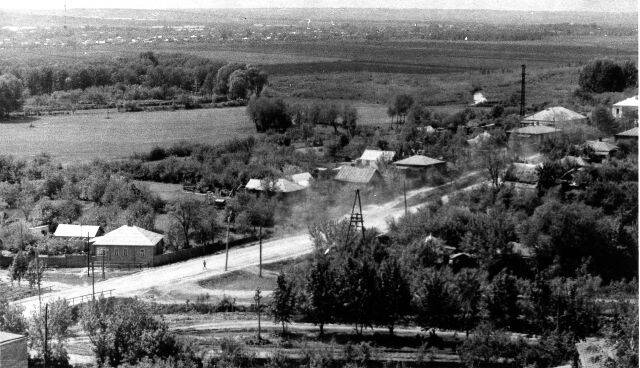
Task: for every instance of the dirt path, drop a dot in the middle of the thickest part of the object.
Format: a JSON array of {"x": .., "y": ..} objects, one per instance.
[{"x": 185, "y": 274}]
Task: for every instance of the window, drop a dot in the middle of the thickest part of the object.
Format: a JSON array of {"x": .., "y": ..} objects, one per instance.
[
  {"x": 141, "y": 252},
  {"x": 115, "y": 252},
  {"x": 124, "y": 252}
]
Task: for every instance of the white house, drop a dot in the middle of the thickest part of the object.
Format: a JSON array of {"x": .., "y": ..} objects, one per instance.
[
  {"x": 625, "y": 108},
  {"x": 373, "y": 157}
]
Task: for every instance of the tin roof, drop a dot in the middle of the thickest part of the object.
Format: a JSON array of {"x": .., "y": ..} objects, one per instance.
[
  {"x": 129, "y": 235},
  {"x": 6, "y": 337},
  {"x": 375, "y": 155},
  {"x": 601, "y": 146},
  {"x": 628, "y": 102},
  {"x": 535, "y": 129},
  {"x": 354, "y": 174},
  {"x": 556, "y": 114},
  {"x": 633, "y": 132},
  {"x": 418, "y": 161},
  {"x": 76, "y": 231},
  {"x": 279, "y": 186}
]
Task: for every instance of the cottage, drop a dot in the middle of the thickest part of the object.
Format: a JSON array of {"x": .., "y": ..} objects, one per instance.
[
  {"x": 71, "y": 231},
  {"x": 373, "y": 157},
  {"x": 128, "y": 245},
  {"x": 556, "y": 116},
  {"x": 281, "y": 186},
  {"x": 627, "y": 108},
  {"x": 527, "y": 140},
  {"x": 628, "y": 136},
  {"x": 418, "y": 164},
  {"x": 601, "y": 149},
  {"x": 522, "y": 177},
  {"x": 13, "y": 350},
  {"x": 358, "y": 175}
]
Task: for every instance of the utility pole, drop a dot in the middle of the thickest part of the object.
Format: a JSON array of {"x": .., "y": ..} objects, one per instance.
[
  {"x": 404, "y": 187},
  {"x": 260, "y": 241},
  {"x": 226, "y": 257},
  {"x": 45, "y": 353},
  {"x": 38, "y": 275},
  {"x": 257, "y": 297},
  {"x": 522, "y": 91},
  {"x": 356, "y": 220},
  {"x": 88, "y": 255},
  {"x": 103, "y": 252},
  {"x": 93, "y": 281}
]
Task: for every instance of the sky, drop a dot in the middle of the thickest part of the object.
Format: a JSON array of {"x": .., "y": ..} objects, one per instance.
[{"x": 535, "y": 5}]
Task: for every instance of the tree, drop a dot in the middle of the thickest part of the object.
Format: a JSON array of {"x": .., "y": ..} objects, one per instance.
[
  {"x": 186, "y": 212},
  {"x": 486, "y": 347},
  {"x": 400, "y": 106},
  {"x": 435, "y": 300},
  {"x": 141, "y": 214},
  {"x": 11, "y": 318},
  {"x": 238, "y": 84},
  {"x": 256, "y": 80},
  {"x": 502, "y": 301},
  {"x": 223, "y": 74},
  {"x": 349, "y": 115},
  {"x": 35, "y": 270},
  {"x": 468, "y": 291},
  {"x": 630, "y": 72},
  {"x": 321, "y": 292},
  {"x": 10, "y": 94},
  {"x": 125, "y": 331},
  {"x": 283, "y": 304},
  {"x": 602, "y": 76},
  {"x": 59, "y": 320},
  {"x": 394, "y": 295},
  {"x": 268, "y": 113},
  {"x": 492, "y": 159},
  {"x": 604, "y": 121},
  {"x": 19, "y": 266},
  {"x": 357, "y": 287},
  {"x": 208, "y": 226}
]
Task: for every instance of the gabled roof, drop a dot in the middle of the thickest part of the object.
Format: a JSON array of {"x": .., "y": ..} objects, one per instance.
[
  {"x": 352, "y": 174},
  {"x": 375, "y": 155},
  {"x": 129, "y": 235},
  {"x": 629, "y": 102},
  {"x": 573, "y": 161},
  {"x": 556, "y": 114},
  {"x": 279, "y": 186},
  {"x": 522, "y": 173},
  {"x": 633, "y": 132},
  {"x": 418, "y": 161},
  {"x": 601, "y": 147},
  {"x": 76, "y": 231},
  {"x": 535, "y": 129}
]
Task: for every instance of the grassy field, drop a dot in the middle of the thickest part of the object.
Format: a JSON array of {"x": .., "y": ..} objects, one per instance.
[{"x": 83, "y": 137}]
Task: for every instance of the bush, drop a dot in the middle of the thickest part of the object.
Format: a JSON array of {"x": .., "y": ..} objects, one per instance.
[{"x": 602, "y": 76}]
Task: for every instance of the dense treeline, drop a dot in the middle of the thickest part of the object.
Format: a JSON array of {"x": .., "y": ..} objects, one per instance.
[{"x": 608, "y": 76}]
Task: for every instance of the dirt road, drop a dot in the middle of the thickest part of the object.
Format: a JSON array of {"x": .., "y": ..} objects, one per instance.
[{"x": 188, "y": 272}]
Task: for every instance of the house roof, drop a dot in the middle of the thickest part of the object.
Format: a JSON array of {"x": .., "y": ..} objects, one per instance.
[
  {"x": 279, "y": 186},
  {"x": 6, "y": 337},
  {"x": 129, "y": 235},
  {"x": 522, "y": 173},
  {"x": 480, "y": 138},
  {"x": 375, "y": 155},
  {"x": 76, "y": 231},
  {"x": 633, "y": 132},
  {"x": 601, "y": 146},
  {"x": 556, "y": 114},
  {"x": 535, "y": 129},
  {"x": 629, "y": 102},
  {"x": 354, "y": 174},
  {"x": 418, "y": 161},
  {"x": 303, "y": 179}
]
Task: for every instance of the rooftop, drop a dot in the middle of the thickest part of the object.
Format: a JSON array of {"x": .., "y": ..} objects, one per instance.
[
  {"x": 375, "y": 155},
  {"x": 279, "y": 185},
  {"x": 535, "y": 130},
  {"x": 418, "y": 161},
  {"x": 352, "y": 174},
  {"x": 601, "y": 146},
  {"x": 8, "y": 337},
  {"x": 629, "y": 102},
  {"x": 633, "y": 132},
  {"x": 76, "y": 231},
  {"x": 554, "y": 114},
  {"x": 129, "y": 235}
]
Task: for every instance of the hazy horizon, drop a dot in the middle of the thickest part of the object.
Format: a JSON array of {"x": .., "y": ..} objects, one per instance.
[{"x": 521, "y": 5}]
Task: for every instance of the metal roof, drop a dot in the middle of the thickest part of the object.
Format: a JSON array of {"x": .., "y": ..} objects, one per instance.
[
  {"x": 535, "y": 129},
  {"x": 633, "y": 132},
  {"x": 601, "y": 147},
  {"x": 129, "y": 235},
  {"x": 418, "y": 161},
  {"x": 6, "y": 337},
  {"x": 375, "y": 155},
  {"x": 76, "y": 231},
  {"x": 556, "y": 114},
  {"x": 279, "y": 186},
  {"x": 352, "y": 174},
  {"x": 629, "y": 102}
]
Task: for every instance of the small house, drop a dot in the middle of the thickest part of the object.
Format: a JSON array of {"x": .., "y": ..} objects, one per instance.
[
  {"x": 527, "y": 140},
  {"x": 418, "y": 164},
  {"x": 358, "y": 175},
  {"x": 601, "y": 148},
  {"x": 128, "y": 245},
  {"x": 279, "y": 186},
  {"x": 628, "y": 136},
  {"x": 13, "y": 350},
  {"x": 72, "y": 231},
  {"x": 479, "y": 139},
  {"x": 373, "y": 157},
  {"x": 522, "y": 177},
  {"x": 627, "y": 108},
  {"x": 556, "y": 116}
]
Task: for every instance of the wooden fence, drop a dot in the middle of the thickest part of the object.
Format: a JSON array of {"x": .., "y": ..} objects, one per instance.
[
  {"x": 185, "y": 254},
  {"x": 65, "y": 261}
]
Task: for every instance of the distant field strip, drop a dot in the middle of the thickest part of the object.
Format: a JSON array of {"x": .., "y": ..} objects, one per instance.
[{"x": 84, "y": 137}]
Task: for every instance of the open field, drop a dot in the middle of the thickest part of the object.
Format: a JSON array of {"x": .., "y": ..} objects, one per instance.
[{"x": 83, "y": 137}]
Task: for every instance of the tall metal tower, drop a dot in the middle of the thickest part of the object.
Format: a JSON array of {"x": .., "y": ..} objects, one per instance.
[{"x": 356, "y": 220}]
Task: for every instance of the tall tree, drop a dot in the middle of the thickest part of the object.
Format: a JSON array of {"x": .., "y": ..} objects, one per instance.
[
  {"x": 10, "y": 94},
  {"x": 186, "y": 212},
  {"x": 394, "y": 295},
  {"x": 283, "y": 304},
  {"x": 321, "y": 292}
]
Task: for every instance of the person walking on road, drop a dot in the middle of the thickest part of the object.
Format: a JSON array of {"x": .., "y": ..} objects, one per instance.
[{"x": 204, "y": 264}]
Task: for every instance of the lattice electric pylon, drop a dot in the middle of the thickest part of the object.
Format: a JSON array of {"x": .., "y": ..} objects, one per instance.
[{"x": 356, "y": 220}]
